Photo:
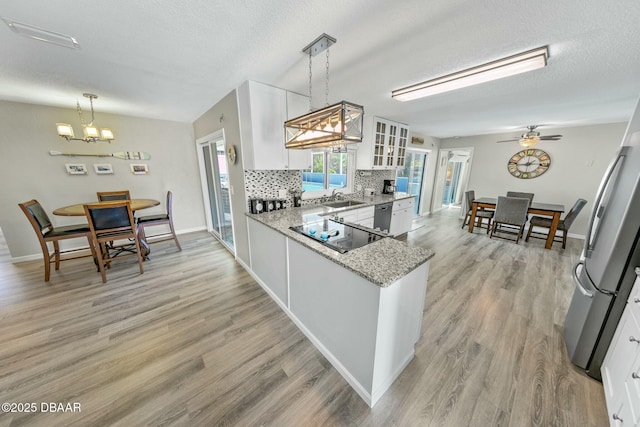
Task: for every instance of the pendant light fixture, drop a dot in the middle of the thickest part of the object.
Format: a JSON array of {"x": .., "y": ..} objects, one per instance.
[
  {"x": 333, "y": 126},
  {"x": 91, "y": 133}
]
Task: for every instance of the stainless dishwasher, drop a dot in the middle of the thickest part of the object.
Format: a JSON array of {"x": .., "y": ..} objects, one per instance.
[{"x": 382, "y": 216}]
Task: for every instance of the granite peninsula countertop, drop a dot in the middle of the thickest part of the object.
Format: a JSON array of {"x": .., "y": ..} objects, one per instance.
[{"x": 381, "y": 262}]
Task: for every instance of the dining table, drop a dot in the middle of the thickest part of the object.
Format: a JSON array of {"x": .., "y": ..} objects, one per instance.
[
  {"x": 545, "y": 209},
  {"x": 136, "y": 204}
]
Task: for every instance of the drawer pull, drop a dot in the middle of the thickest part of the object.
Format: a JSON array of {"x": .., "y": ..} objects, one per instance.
[
  {"x": 636, "y": 300},
  {"x": 635, "y": 376},
  {"x": 634, "y": 339},
  {"x": 616, "y": 417}
]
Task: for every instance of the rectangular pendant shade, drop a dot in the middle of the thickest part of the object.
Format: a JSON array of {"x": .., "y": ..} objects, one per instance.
[
  {"x": 106, "y": 134},
  {"x": 90, "y": 132},
  {"x": 330, "y": 126},
  {"x": 65, "y": 130},
  {"x": 505, "y": 67}
]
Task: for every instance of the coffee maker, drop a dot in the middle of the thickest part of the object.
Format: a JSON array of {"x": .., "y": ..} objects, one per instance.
[{"x": 389, "y": 186}]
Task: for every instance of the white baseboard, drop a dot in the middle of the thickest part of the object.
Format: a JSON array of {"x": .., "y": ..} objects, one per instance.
[
  {"x": 355, "y": 384},
  {"x": 25, "y": 258},
  {"x": 33, "y": 257},
  {"x": 191, "y": 230},
  {"x": 382, "y": 388}
]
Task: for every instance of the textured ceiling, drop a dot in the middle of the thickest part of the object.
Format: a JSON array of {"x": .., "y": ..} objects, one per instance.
[{"x": 174, "y": 60}]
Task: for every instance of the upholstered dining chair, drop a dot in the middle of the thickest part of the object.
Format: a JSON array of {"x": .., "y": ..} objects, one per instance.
[
  {"x": 480, "y": 214},
  {"x": 110, "y": 223},
  {"x": 521, "y": 195},
  {"x": 47, "y": 233},
  {"x": 510, "y": 211},
  {"x": 563, "y": 225},
  {"x": 113, "y": 195},
  {"x": 160, "y": 219}
]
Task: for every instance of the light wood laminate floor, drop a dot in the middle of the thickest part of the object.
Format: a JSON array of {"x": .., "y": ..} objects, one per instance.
[{"x": 194, "y": 341}]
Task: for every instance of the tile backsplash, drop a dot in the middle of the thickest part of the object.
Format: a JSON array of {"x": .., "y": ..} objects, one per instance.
[
  {"x": 375, "y": 180},
  {"x": 265, "y": 184}
]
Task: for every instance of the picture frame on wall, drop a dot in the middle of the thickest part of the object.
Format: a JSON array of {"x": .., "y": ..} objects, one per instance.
[
  {"x": 76, "y": 168},
  {"x": 103, "y": 168},
  {"x": 417, "y": 140},
  {"x": 139, "y": 168}
]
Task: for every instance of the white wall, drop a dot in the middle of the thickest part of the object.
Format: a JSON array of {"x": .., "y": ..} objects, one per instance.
[
  {"x": 29, "y": 172},
  {"x": 578, "y": 162},
  {"x": 210, "y": 122}
]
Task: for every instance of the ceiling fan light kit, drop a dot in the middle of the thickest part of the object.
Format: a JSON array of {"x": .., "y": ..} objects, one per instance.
[
  {"x": 529, "y": 141},
  {"x": 331, "y": 127},
  {"x": 91, "y": 132},
  {"x": 505, "y": 67},
  {"x": 532, "y": 137}
]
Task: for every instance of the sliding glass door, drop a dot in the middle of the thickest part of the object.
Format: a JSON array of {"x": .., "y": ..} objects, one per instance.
[
  {"x": 219, "y": 220},
  {"x": 410, "y": 178}
]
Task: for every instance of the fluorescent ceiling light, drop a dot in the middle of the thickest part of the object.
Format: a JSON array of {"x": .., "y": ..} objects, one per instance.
[
  {"x": 41, "y": 34},
  {"x": 505, "y": 67}
]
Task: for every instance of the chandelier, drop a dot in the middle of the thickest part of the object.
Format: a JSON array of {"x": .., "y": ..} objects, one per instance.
[
  {"x": 333, "y": 126},
  {"x": 91, "y": 132}
]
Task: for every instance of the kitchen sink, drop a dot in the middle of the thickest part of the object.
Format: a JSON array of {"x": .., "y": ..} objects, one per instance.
[{"x": 343, "y": 203}]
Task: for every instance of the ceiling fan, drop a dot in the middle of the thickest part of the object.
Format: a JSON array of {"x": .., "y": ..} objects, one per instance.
[{"x": 532, "y": 137}]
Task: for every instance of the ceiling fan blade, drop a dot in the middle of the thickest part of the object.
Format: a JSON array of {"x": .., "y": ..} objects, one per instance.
[
  {"x": 509, "y": 140},
  {"x": 551, "y": 137}
]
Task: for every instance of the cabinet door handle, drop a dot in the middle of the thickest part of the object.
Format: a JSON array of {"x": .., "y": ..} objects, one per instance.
[
  {"x": 634, "y": 339},
  {"x": 635, "y": 376},
  {"x": 616, "y": 417},
  {"x": 636, "y": 300}
]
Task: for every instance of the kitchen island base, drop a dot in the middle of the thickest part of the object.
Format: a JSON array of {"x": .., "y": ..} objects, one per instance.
[{"x": 367, "y": 332}]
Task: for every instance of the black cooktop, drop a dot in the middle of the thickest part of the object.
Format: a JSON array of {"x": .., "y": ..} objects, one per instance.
[{"x": 338, "y": 236}]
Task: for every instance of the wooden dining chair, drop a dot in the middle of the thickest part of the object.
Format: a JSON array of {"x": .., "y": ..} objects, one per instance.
[
  {"x": 563, "y": 225},
  {"x": 480, "y": 214},
  {"x": 47, "y": 233},
  {"x": 160, "y": 219},
  {"x": 109, "y": 223},
  {"x": 510, "y": 211},
  {"x": 113, "y": 195}
]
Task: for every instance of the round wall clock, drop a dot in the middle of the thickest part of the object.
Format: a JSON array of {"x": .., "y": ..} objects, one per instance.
[
  {"x": 529, "y": 163},
  {"x": 231, "y": 154}
]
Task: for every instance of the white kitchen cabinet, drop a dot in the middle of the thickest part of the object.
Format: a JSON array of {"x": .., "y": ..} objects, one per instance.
[
  {"x": 401, "y": 216},
  {"x": 621, "y": 367},
  {"x": 263, "y": 109},
  {"x": 348, "y": 216},
  {"x": 297, "y": 105},
  {"x": 365, "y": 216},
  {"x": 388, "y": 145},
  {"x": 268, "y": 258},
  {"x": 361, "y": 216}
]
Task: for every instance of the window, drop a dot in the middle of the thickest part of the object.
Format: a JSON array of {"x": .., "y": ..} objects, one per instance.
[{"x": 329, "y": 171}]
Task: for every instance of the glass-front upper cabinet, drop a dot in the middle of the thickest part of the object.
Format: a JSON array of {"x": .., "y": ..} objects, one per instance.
[
  {"x": 379, "y": 144},
  {"x": 389, "y": 144},
  {"x": 402, "y": 146}
]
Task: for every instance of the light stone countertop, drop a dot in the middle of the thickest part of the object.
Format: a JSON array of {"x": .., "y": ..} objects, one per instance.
[{"x": 381, "y": 262}]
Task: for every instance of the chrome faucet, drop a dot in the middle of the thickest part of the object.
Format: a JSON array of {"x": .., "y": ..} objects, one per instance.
[{"x": 335, "y": 194}]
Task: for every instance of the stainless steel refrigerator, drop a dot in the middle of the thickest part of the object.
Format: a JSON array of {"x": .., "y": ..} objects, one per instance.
[{"x": 605, "y": 273}]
